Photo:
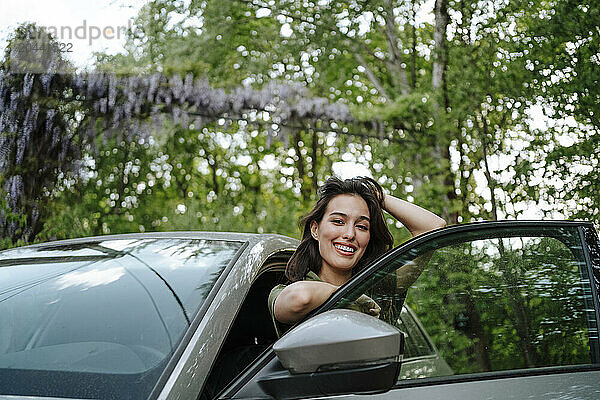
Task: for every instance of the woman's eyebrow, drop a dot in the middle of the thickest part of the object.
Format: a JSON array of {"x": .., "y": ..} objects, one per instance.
[{"x": 341, "y": 214}]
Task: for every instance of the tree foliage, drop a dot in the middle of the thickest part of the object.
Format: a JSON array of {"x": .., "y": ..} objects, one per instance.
[
  {"x": 499, "y": 305},
  {"x": 227, "y": 116}
]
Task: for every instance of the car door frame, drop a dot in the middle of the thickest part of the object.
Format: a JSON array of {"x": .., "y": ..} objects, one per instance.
[
  {"x": 587, "y": 236},
  {"x": 188, "y": 368}
]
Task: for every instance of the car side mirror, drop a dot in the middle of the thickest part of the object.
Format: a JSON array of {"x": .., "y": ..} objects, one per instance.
[{"x": 337, "y": 352}]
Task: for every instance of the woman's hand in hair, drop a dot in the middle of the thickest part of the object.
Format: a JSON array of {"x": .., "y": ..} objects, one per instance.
[
  {"x": 416, "y": 219},
  {"x": 299, "y": 298}
]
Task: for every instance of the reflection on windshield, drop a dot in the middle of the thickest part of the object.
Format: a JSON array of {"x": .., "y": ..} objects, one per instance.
[
  {"x": 113, "y": 307},
  {"x": 91, "y": 278}
]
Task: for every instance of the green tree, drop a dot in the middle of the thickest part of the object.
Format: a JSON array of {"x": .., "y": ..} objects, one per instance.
[{"x": 563, "y": 59}]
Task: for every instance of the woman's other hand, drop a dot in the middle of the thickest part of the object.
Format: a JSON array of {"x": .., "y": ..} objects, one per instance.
[{"x": 366, "y": 305}]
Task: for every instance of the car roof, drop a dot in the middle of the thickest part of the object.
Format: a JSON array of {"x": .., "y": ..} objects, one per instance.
[{"x": 252, "y": 238}]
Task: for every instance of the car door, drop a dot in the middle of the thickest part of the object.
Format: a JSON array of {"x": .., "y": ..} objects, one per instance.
[{"x": 510, "y": 307}]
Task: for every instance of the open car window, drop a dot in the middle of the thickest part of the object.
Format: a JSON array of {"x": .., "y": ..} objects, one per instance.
[
  {"x": 475, "y": 302},
  {"x": 497, "y": 299}
]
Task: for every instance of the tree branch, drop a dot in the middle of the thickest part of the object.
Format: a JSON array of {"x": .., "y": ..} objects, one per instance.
[
  {"x": 371, "y": 76},
  {"x": 354, "y": 43}
]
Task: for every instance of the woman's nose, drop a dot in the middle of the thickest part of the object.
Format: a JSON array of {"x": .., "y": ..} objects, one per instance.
[{"x": 348, "y": 232}]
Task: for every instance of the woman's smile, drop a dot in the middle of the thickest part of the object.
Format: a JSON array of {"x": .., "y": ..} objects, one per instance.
[{"x": 345, "y": 249}]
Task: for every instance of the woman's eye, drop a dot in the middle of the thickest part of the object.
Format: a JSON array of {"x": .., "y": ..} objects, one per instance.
[
  {"x": 338, "y": 221},
  {"x": 363, "y": 227}
]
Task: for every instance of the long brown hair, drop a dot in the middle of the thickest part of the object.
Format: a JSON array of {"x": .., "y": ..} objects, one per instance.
[{"x": 307, "y": 257}]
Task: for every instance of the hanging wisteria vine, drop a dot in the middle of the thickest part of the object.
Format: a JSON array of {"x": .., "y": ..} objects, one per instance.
[{"x": 42, "y": 133}]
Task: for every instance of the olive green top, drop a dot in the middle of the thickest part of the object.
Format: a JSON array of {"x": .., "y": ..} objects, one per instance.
[
  {"x": 279, "y": 326},
  {"x": 362, "y": 304}
]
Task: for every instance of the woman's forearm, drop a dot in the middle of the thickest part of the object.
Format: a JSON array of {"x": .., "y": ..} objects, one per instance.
[
  {"x": 299, "y": 298},
  {"x": 416, "y": 219}
]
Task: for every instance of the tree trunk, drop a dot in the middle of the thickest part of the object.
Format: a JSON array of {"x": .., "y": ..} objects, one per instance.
[
  {"x": 314, "y": 159},
  {"x": 488, "y": 174},
  {"x": 413, "y": 53},
  {"x": 513, "y": 279},
  {"x": 439, "y": 37},
  {"x": 476, "y": 333},
  {"x": 395, "y": 67},
  {"x": 300, "y": 165},
  {"x": 213, "y": 168},
  {"x": 441, "y": 149}
]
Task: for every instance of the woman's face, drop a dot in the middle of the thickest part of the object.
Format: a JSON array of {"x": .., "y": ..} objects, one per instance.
[{"x": 343, "y": 233}]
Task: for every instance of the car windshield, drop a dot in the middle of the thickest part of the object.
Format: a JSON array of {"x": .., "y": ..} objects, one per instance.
[{"x": 100, "y": 319}]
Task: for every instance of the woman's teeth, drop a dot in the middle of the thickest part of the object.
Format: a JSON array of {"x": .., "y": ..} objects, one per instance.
[{"x": 344, "y": 248}]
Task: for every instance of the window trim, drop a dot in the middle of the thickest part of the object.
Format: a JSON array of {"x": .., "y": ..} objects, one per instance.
[
  {"x": 273, "y": 263},
  {"x": 594, "y": 346},
  {"x": 481, "y": 376},
  {"x": 191, "y": 330},
  {"x": 485, "y": 376}
]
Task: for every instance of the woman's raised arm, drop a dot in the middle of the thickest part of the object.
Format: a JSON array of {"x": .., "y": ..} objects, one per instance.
[{"x": 416, "y": 219}]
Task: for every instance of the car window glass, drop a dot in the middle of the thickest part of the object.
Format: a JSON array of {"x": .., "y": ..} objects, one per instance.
[
  {"x": 100, "y": 312},
  {"x": 415, "y": 342},
  {"x": 492, "y": 304}
]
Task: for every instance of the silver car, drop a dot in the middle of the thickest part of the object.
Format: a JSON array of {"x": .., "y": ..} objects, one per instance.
[{"x": 487, "y": 310}]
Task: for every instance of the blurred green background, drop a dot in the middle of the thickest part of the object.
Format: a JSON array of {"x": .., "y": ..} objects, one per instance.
[{"x": 472, "y": 109}]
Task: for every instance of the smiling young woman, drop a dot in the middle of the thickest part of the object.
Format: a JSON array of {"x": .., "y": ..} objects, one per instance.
[
  {"x": 344, "y": 232},
  {"x": 343, "y": 236}
]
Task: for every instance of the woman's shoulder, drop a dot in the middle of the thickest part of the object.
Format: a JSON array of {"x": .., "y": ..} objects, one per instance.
[{"x": 274, "y": 293}]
